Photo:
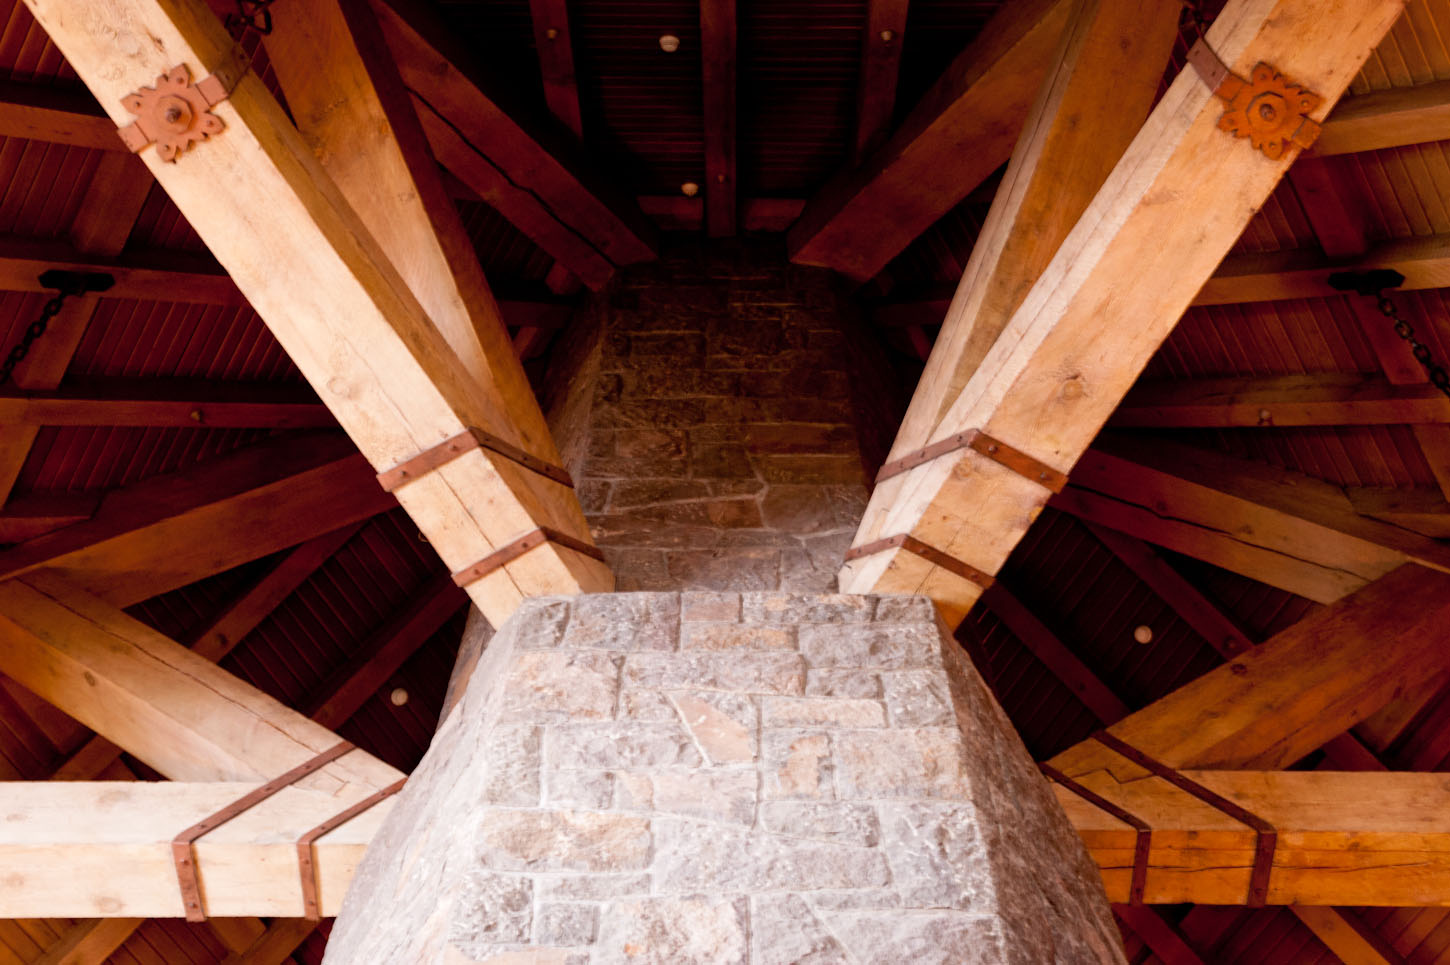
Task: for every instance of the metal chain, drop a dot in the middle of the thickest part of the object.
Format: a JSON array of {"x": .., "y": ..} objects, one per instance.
[
  {"x": 32, "y": 332},
  {"x": 1438, "y": 376},
  {"x": 1193, "y": 10},
  {"x": 250, "y": 15}
]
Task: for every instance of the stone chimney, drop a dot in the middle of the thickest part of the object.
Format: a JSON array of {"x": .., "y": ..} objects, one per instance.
[{"x": 701, "y": 775}]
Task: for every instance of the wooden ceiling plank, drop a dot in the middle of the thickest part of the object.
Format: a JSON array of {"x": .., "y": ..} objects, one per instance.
[
  {"x": 339, "y": 307},
  {"x": 171, "y": 708},
  {"x": 550, "y": 195},
  {"x": 718, "y": 56},
  {"x": 1109, "y": 67},
  {"x": 376, "y": 659},
  {"x": 1166, "y": 941},
  {"x": 228, "y": 628},
  {"x": 556, "y": 62},
  {"x": 90, "y": 941},
  {"x": 355, "y": 115},
  {"x": 1279, "y": 401},
  {"x": 1166, "y": 216},
  {"x": 881, "y": 46},
  {"x": 864, "y": 217},
  {"x": 142, "y": 541},
  {"x": 1290, "y": 695}
]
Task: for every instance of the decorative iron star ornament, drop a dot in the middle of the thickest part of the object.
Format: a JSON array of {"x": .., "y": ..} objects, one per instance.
[
  {"x": 1269, "y": 110},
  {"x": 175, "y": 114}
]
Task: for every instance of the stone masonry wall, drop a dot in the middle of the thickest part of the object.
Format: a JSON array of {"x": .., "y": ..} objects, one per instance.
[
  {"x": 704, "y": 405},
  {"x": 721, "y": 779}
]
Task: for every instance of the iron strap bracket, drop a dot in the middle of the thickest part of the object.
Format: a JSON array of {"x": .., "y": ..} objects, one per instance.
[
  {"x": 1268, "y": 836},
  {"x": 927, "y": 552},
  {"x": 175, "y": 113},
  {"x": 507, "y": 554},
  {"x": 183, "y": 852},
  {"x": 1142, "y": 844},
  {"x": 306, "y": 858},
  {"x": 1267, "y": 108},
  {"x": 465, "y": 442},
  {"x": 999, "y": 452}
]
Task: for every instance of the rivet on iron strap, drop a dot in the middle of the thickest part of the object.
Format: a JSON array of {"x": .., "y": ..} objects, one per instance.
[
  {"x": 307, "y": 860},
  {"x": 1268, "y": 836},
  {"x": 999, "y": 452},
  {"x": 507, "y": 554},
  {"x": 461, "y": 444},
  {"x": 183, "y": 852},
  {"x": 927, "y": 552},
  {"x": 1143, "y": 843}
]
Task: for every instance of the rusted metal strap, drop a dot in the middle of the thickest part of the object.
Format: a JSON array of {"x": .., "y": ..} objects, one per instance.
[
  {"x": 520, "y": 546},
  {"x": 306, "y": 859},
  {"x": 1014, "y": 459},
  {"x": 1267, "y": 108},
  {"x": 182, "y": 851},
  {"x": 461, "y": 444},
  {"x": 929, "y": 553},
  {"x": 1268, "y": 836},
  {"x": 1141, "y": 846}
]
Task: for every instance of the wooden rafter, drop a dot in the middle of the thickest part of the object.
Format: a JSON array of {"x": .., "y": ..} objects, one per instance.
[
  {"x": 880, "y": 67},
  {"x": 556, "y": 62},
  {"x": 345, "y": 315},
  {"x": 1291, "y": 400},
  {"x": 1163, "y": 217},
  {"x": 187, "y": 404},
  {"x": 90, "y": 941},
  {"x": 719, "y": 42}
]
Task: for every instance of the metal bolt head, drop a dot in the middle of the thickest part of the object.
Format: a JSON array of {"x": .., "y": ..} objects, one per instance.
[
  {"x": 552, "y": 33},
  {"x": 887, "y": 36},
  {"x": 669, "y": 43}
]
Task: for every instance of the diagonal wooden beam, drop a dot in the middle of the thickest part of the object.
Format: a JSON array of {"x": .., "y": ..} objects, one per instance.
[
  {"x": 1073, "y": 138},
  {"x": 142, "y": 540},
  {"x": 718, "y": 55},
  {"x": 341, "y": 310},
  {"x": 1167, "y": 942},
  {"x": 1166, "y": 216},
  {"x": 881, "y": 46},
  {"x": 535, "y": 181},
  {"x": 1345, "y": 934},
  {"x": 90, "y": 941},
  {"x": 276, "y": 945},
  {"x": 863, "y": 217},
  {"x": 556, "y": 62}
]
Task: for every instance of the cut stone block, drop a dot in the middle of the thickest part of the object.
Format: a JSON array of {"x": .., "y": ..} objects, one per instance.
[{"x": 601, "y": 798}]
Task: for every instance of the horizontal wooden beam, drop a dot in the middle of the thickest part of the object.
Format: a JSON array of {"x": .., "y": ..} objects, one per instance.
[
  {"x": 1289, "y": 400},
  {"x": 169, "y": 403},
  {"x": 1302, "y": 273},
  {"x": 143, "y": 539},
  {"x": 44, "y": 112},
  {"x": 1275, "y": 526},
  {"x": 1387, "y": 118}
]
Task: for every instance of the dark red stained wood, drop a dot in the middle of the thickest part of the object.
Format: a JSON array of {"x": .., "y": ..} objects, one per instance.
[
  {"x": 36, "y": 514},
  {"x": 719, "y": 40},
  {"x": 556, "y": 61},
  {"x": 1107, "y": 706},
  {"x": 1165, "y": 940},
  {"x": 350, "y": 686},
  {"x": 185, "y": 403},
  {"x": 1333, "y": 205},
  {"x": 880, "y": 67}
]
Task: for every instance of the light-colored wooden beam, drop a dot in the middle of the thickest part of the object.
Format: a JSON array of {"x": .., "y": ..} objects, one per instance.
[
  {"x": 880, "y": 67},
  {"x": 1275, "y": 526},
  {"x": 181, "y": 404},
  {"x": 341, "y": 309},
  {"x": 1387, "y": 118},
  {"x": 142, "y": 540},
  {"x": 556, "y": 62},
  {"x": 1289, "y": 400},
  {"x": 864, "y": 217},
  {"x": 1273, "y": 705},
  {"x": 276, "y": 945},
  {"x": 43, "y": 112},
  {"x": 718, "y": 41},
  {"x": 1074, "y": 135},
  {"x": 1303, "y": 273},
  {"x": 1178, "y": 199},
  {"x": 1346, "y": 935},
  {"x": 537, "y": 182}
]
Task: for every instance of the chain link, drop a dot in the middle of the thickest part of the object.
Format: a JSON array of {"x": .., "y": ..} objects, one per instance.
[
  {"x": 1193, "y": 10},
  {"x": 32, "y": 332},
  {"x": 1438, "y": 376},
  {"x": 250, "y": 15}
]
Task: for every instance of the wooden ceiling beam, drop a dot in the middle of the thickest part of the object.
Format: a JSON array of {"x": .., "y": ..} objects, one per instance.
[
  {"x": 1177, "y": 201},
  {"x": 718, "y": 56},
  {"x": 1073, "y": 138},
  {"x": 1166, "y": 942},
  {"x": 1279, "y": 401},
  {"x": 90, "y": 941},
  {"x": 44, "y": 112},
  {"x": 537, "y": 182},
  {"x": 1278, "y": 527},
  {"x": 275, "y": 945},
  {"x": 179, "y": 404},
  {"x": 1303, "y": 273},
  {"x": 336, "y": 303},
  {"x": 143, "y": 539},
  {"x": 881, "y": 46},
  {"x": 1345, "y": 934},
  {"x": 865, "y": 216},
  {"x": 1387, "y": 118},
  {"x": 556, "y": 62}
]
